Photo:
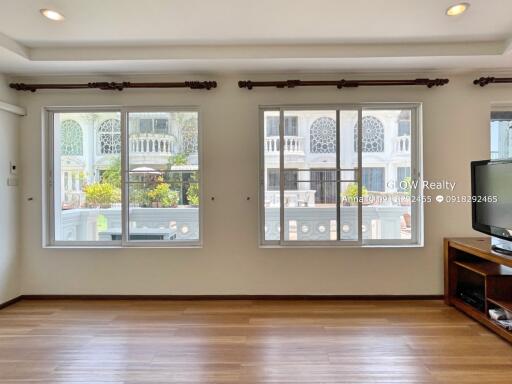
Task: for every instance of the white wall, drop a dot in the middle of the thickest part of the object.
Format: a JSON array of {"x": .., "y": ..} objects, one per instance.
[
  {"x": 456, "y": 130},
  {"x": 9, "y": 199}
]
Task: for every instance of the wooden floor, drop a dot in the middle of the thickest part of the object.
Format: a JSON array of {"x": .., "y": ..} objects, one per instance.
[{"x": 65, "y": 341}]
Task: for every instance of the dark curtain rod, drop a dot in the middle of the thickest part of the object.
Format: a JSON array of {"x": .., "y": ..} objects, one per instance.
[
  {"x": 483, "y": 81},
  {"x": 341, "y": 83},
  {"x": 112, "y": 86}
]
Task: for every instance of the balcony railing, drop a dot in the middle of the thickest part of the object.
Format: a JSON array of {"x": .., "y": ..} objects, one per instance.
[
  {"x": 82, "y": 224},
  {"x": 151, "y": 143},
  {"x": 316, "y": 224},
  {"x": 292, "y": 144},
  {"x": 402, "y": 144},
  {"x": 302, "y": 223},
  {"x": 299, "y": 198}
]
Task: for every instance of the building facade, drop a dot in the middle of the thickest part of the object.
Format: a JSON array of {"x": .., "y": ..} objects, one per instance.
[
  {"x": 90, "y": 144},
  {"x": 310, "y": 154}
]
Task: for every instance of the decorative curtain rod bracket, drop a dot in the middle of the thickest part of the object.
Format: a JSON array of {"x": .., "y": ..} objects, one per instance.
[
  {"x": 113, "y": 86},
  {"x": 248, "y": 84},
  {"x": 483, "y": 81}
]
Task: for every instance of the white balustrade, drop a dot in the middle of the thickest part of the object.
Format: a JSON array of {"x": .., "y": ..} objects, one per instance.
[
  {"x": 402, "y": 144},
  {"x": 292, "y": 144},
  {"x": 315, "y": 224},
  {"x": 151, "y": 143},
  {"x": 74, "y": 199},
  {"x": 294, "y": 198},
  {"x": 304, "y": 223},
  {"x": 81, "y": 224}
]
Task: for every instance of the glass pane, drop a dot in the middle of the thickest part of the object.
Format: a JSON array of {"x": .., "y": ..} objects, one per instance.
[
  {"x": 163, "y": 163},
  {"x": 310, "y": 176},
  {"x": 271, "y": 175},
  {"x": 87, "y": 176},
  {"x": 386, "y": 174},
  {"x": 501, "y": 135},
  {"x": 349, "y": 222}
]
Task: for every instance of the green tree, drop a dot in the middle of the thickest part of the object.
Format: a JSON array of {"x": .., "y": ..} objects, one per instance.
[
  {"x": 193, "y": 192},
  {"x": 112, "y": 175},
  {"x": 177, "y": 159},
  {"x": 175, "y": 177}
]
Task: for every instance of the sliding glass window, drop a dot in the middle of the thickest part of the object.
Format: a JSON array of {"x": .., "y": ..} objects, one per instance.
[
  {"x": 344, "y": 175},
  {"x": 121, "y": 177}
]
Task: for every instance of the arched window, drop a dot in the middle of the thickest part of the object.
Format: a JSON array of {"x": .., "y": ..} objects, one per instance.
[
  {"x": 71, "y": 139},
  {"x": 109, "y": 136},
  {"x": 323, "y": 135},
  {"x": 373, "y": 135}
]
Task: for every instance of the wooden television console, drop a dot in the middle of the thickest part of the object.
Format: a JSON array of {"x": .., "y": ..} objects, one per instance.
[{"x": 471, "y": 262}]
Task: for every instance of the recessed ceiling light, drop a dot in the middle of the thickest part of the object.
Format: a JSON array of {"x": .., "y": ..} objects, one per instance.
[
  {"x": 52, "y": 15},
  {"x": 457, "y": 9}
]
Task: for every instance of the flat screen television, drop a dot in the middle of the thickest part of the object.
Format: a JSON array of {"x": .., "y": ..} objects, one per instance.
[{"x": 491, "y": 190}]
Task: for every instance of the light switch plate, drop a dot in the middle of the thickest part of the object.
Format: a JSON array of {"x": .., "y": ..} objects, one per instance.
[{"x": 12, "y": 181}]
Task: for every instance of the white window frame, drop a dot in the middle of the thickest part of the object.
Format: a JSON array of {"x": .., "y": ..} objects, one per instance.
[
  {"x": 48, "y": 187},
  {"x": 417, "y": 235}
]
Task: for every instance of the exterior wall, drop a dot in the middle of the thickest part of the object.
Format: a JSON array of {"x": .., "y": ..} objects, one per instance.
[
  {"x": 456, "y": 131},
  {"x": 9, "y": 200}
]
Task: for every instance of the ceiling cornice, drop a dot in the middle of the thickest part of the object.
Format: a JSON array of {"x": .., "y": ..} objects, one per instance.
[
  {"x": 8, "y": 44},
  {"x": 19, "y": 59},
  {"x": 195, "y": 52}
]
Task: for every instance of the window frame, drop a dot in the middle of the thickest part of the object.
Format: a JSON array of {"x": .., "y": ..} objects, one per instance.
[
  {"x": 294, "y": 128},
  {"x": 151, "y": 128},
  {"x": 417, "y": 236},
  {"x": 49, "y": 188}
]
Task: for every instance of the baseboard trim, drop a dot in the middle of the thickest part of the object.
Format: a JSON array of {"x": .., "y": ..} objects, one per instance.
[
  {"x": 10, "y": 302},
  {"x": 223, "y": 297},
  {"x": 232, "y": 297}
]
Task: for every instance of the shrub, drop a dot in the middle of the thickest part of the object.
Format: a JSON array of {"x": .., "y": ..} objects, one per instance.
[
  {"x": 350, "y": 194},
  {"x": 139, "y": 196},
  {"x": 163, "y": 196},
  {"x": 102, "y": 195}
]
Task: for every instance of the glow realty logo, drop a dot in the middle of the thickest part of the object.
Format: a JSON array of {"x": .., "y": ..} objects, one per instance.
[{"x": 438, "y": 185}]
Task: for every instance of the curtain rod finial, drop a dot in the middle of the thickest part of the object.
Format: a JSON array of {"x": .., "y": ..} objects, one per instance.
[
  {"x": 483, "y": 81},
  {"x": 21, "y": 87},
  {"x": 245, "y": 84}
]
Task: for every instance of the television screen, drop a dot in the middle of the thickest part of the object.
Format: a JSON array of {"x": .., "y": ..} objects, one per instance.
[{"x": 492, "y": 197}]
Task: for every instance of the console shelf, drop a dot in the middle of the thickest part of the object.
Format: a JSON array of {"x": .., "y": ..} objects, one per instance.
[
  {"x": 476, "y": 278},
  {"x": 501, "y": 303},
  {"x": 485, "y": 268}
]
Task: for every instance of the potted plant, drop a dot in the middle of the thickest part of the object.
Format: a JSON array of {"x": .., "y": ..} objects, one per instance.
[
  {"x": 101, "y": 195},
  {"x": 162, "y": 196}
]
